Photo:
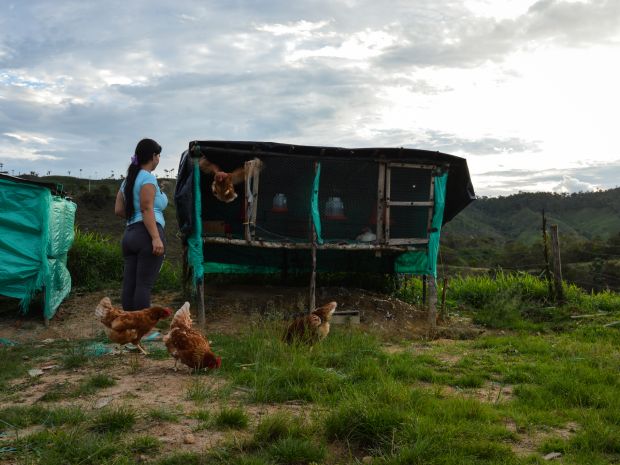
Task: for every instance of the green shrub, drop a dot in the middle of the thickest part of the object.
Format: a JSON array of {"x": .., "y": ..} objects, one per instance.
[{"x": 94, "y": 261}]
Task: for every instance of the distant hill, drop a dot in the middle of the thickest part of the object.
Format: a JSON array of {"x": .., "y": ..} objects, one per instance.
[{"x": 518, "y": 217}]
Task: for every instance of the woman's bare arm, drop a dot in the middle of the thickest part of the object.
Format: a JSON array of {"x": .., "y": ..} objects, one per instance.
[
  {"x": 147, "y": 201},
  {"x": 119, "y": 205}
]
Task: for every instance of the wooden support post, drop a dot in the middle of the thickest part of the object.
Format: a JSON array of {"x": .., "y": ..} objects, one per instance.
[
  {"x": 557, "y": 264},
  {"x": 432, "y": 303},
  {"x": 247, "y": 200},
  {"x": 251, "y": 182},
  {"x": 423, "y": 290},
  {"x": 546, "y": 254},
  {"x": 200, "y": 300},
  {"x": 380, "y": 203}
]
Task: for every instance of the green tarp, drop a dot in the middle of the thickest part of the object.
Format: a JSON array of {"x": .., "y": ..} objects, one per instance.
[
  {"x": 194, "y": 241},
  {"x": 425, "y": 262},
  {"x": 36, "y": 233}
]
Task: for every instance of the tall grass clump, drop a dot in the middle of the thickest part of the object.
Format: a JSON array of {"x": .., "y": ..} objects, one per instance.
[
  {"x": 482, "y": 291},
  {"x": 94, "y": 261},
  {"x": 513, "y": 300}
]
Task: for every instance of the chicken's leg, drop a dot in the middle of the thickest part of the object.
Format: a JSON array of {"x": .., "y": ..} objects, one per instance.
[
  {"x": 139, "y": 346},
  {"x": 175, "y": 365}
]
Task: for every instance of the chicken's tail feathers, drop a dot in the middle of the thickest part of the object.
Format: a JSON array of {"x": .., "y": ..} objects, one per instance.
[
  {"x": 104, "y": 306},
  {"x": 182, "y": 317}
]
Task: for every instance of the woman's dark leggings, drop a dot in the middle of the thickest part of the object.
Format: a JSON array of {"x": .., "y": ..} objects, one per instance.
[{"x": 141, "y": 266}]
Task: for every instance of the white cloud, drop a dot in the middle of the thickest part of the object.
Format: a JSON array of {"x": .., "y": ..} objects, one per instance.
[
  {"x": 570, "y": 184},
  {"x": 509, "y": 84}
]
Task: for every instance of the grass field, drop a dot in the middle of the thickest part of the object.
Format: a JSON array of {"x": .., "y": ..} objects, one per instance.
[{"x": 511, "y": 396}]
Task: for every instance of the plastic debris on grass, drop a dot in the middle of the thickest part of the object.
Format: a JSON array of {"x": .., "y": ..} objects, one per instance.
[
  {"x": 4, "y": 342},
  {"x": 97, "y": 349},
  {"x": 154, "y": 336}
]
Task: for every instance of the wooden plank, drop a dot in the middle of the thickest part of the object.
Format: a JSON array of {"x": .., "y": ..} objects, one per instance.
[
  {"x": 408, "y": 240},
  {"x": 258, "y": 242},
  {"x": 410, "y": 204},
  {"x": 411, "y": 165},
  {"x": 380, "y": 203}
]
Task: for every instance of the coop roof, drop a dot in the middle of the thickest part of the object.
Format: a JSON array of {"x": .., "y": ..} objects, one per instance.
[{"x": 459, "y": 190}]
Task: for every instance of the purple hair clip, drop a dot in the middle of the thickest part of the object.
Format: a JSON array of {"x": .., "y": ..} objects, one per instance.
[{"x": 134, "y": 160}]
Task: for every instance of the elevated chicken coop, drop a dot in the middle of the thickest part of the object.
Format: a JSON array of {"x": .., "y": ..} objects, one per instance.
[{"x": 308, "y": 209}]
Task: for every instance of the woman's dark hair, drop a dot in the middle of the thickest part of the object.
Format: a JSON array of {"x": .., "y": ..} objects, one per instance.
[{"x": 145, "y": 150}]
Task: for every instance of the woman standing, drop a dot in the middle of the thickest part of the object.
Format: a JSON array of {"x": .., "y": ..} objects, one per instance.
[{"x": 142, "y": 203}]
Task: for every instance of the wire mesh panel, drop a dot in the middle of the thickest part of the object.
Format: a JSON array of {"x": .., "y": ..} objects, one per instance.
[
  {"x": 283, "y": 207},
  {"x": 348, "y": 200},
  {"x": 408, "y": 222},
  {"x": 409, "y": 184}
]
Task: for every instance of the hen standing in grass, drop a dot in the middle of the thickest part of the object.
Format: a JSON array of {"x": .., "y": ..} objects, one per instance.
[
  {"x": 313, "y": 327},
  {"x": 123, "y": 327},
  {"x": 188, "y": 345}
]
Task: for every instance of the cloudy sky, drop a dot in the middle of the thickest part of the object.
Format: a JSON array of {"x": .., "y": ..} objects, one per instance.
[{"x": 527, "y": 91}]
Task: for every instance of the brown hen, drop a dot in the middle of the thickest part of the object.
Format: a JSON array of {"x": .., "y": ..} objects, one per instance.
[
  {"x": 123, "y": 327},
  {"x": 187, "y": 345}
]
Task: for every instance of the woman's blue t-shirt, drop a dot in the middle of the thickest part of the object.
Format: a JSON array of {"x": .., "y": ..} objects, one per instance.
[{"x": 160, "y": 203}]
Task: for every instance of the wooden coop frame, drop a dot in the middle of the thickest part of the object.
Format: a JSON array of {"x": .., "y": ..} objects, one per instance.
[{"x": 457, "y": 193}]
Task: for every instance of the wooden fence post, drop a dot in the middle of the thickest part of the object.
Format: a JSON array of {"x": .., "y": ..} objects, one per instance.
[
  {"x": 557, "y": 264},
  {"x": 546, "y": 254}
]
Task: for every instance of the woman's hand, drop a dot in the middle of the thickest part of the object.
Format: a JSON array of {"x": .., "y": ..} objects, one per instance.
[{"x": 158, "y": 247}]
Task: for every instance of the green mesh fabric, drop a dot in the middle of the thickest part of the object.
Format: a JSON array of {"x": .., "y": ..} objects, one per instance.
[
  {"x": 425, "y": 262},
  {"x": 36, "y": 233},
  {"x": 194, "y": 242},
  {"x": 314, "y": 204}
]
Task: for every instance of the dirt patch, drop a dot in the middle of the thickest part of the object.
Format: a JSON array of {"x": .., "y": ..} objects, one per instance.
[
  {"x": 494, "y": 393},
  {"x": 231, "y": 308},
  {"x": 527, "y": 442}
]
